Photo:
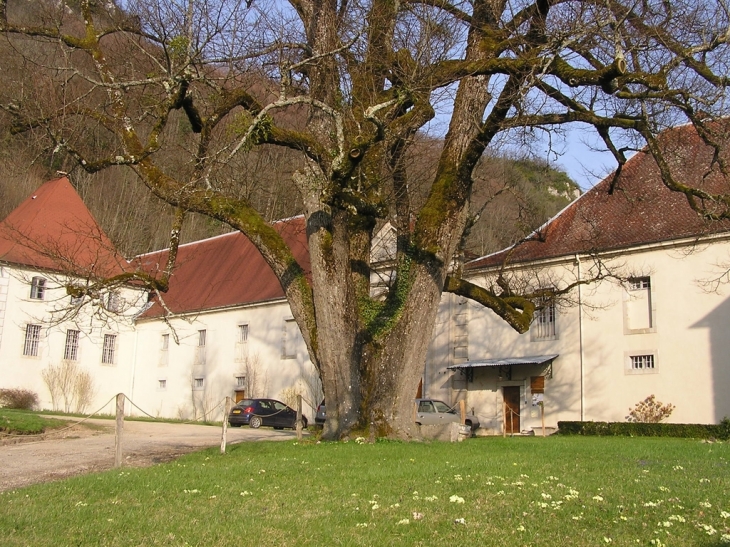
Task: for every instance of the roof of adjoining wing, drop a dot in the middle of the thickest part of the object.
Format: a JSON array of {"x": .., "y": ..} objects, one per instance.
[
  {"x": 638, "y": 210},
  {"x": 54, "y": 230},
  {"x": 223, "y": 271}
]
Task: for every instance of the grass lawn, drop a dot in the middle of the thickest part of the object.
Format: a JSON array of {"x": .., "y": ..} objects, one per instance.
[
  {"x": 559, "y": 491},
  {"x": 23, "y": 422}
]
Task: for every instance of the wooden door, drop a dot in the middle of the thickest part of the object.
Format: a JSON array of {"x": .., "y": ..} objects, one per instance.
[{"x": 511, "y": 396}]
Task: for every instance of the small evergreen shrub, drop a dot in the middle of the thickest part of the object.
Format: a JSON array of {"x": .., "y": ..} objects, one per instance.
[
  {"x": 640, "y": 429},
  {"x": 20, "y": 399}
]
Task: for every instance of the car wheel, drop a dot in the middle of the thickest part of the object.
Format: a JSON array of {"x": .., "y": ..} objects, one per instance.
[{"x": 255, "y": 422}]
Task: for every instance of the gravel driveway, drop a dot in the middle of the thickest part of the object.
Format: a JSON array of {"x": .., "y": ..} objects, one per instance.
[{"x": 83, "y": 450}]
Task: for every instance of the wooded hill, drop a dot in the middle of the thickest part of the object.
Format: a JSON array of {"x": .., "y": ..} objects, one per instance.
[{"x": 512, "y": 196}]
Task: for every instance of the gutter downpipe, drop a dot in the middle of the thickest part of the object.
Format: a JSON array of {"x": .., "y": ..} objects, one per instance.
[{"x": 580, "y": 336}]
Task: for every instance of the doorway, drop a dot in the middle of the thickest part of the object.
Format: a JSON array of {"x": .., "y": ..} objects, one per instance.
[{"x": 511, "y": 395}]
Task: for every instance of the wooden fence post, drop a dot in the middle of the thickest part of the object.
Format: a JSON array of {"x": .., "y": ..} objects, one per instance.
[
  {"x": 462, "y": 411},
  {"x": 119, "y": 430},
  {"x": 504, "y": 419},
  {"x": 224, "y": 434},
  {"x": 299, "y": 417}
]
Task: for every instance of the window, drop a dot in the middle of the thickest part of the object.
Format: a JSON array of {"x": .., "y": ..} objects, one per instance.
[
  {"x": 544, "y": 321},
  {"x": 198, "y": 383},
  {"x": 112, "y": 302},
  {"x": 71, "y": 349},
  {"x": 162, "y": 384},
  {"x": 638, "y": 306},
  {"x": 289, "y": 339},
  {"x": 200, "y": 349},
  {"x": 38, "y": 288},
  {"x": 108, "y": 351},
  {"x": 241, "y": 343},
  {"x": 32, "y": 340},
  {"x": 461, "y": 331},
  {"x": 240, "y": 380},
  {"x": 164, "y": 350},
  {"x": 641, "y": 363}
]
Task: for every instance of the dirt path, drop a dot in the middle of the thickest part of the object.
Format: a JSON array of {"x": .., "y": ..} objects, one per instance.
[{"x": 84, "y": 450}]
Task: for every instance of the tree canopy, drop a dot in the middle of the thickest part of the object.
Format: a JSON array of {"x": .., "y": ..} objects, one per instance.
[{"x": 346, "y": 87}]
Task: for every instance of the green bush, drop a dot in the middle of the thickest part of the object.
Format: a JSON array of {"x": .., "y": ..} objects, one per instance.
[
  {"x": 638, "y": 429},
  {"x": 20, "y": 399}
]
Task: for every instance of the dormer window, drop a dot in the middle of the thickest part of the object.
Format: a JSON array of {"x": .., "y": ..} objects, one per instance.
[{"x": 38, "y": 288}]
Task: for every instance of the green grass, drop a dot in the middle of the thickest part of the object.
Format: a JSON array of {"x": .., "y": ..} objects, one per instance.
[
  {"x": 574, "y": 491},
  {"x": 24, "y": 422}
]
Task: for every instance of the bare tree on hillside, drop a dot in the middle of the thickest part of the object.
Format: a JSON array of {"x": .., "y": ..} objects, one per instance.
[{"x": 366, "y": 76}]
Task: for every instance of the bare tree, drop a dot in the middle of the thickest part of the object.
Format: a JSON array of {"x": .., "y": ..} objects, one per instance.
[{"x": 347, "y": 85}]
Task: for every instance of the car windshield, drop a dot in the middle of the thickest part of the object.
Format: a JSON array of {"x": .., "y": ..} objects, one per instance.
[
  {"x": 245, "y": 402},
  {"x": 443, "y": 407}
]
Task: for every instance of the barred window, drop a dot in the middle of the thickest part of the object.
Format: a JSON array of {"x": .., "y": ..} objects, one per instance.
[
  {"x": 642, "y": 362},
  {"x": 32, "y": 340},
  {"x": 108, "y": 351},
  {"x": 71, "y": 349},
  {"x": 198, "y": 383},
  {"x": 38, "y": 288},
  {"x": 544, "y": 322},
  {"x": 200, "y": 349},
  {"x": 161, "y": 384}
]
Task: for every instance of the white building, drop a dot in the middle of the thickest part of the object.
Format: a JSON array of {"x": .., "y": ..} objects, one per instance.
[
  {"x": 662, "y": 331},
  {"x": 593, "y": 357}
]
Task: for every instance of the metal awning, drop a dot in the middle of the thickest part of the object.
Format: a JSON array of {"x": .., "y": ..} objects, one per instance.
[{"x": 505, "y": 364}]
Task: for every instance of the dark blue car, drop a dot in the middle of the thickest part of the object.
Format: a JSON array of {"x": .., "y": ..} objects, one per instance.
[{"x": 258, "y": 412}]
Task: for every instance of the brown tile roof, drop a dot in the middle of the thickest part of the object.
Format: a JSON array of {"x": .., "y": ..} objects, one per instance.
[
  {"x": 223, "y": 271},
  {"x": 54, "y": 230},
  {"x": 639, "y": 210}
]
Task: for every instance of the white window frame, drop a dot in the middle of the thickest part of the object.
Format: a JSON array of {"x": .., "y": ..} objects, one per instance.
[
  {"x": 288, "y": 347},
  {"x": 241, "y": 350},
  {"x": 113, "y": 302},
  {"x": 545, "y": 323},
  {"x": 635, "y": 285},
  {"x": 32, "y": 340},
  {"x": 162, "y": 384},
  {"x": 71, "y": 346},
  {"x": 200, "y": 347},
  {"x": 240, "y": 379},
  {"x": 198, "y": 383},
  {"x": 646, "y": 359},
  {"x": 164, "y": 350},
  {"x": 109, "y": 349},
  {"x": 460, "y": 338},
  {"x": 38, "y": 288}
]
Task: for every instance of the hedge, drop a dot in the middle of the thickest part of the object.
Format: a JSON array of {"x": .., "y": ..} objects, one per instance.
[{"x": 635, "y": 429}]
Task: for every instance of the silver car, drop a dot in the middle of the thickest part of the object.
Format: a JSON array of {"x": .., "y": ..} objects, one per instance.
[{"x": 433, "y": 412}]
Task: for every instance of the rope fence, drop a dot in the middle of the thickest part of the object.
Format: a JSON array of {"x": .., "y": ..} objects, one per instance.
[{"x": 121, "y": 398}]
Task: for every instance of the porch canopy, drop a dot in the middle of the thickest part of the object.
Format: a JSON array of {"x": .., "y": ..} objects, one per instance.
[{"x": 505, "y": 364}]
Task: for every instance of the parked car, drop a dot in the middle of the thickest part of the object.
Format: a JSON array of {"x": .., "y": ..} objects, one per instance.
[
  {"x": 321, "y": 415},
  {"x": 433, "y": 411},
  {"x": 429, "y": 412},
  {"x": 258, "y": 412}
]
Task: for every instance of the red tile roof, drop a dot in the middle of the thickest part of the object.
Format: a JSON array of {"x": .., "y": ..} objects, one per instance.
[
  {"x": 223, "y": 271},
  {"x": 639, "y": 210},
  {"x": 54, "y": 230}
]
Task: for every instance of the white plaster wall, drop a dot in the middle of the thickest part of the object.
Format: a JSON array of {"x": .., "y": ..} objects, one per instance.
[
  {"x": 19, "y": 371},
  {"x": 689, "y": 341},
  {"x": 179, "y": 399}
]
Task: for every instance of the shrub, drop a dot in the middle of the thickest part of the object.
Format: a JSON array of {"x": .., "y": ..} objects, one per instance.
[
  {"x": 21, "y": 399},
  {"x": 650, "y": 411},
  {"x": 641, "y": 429}
]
